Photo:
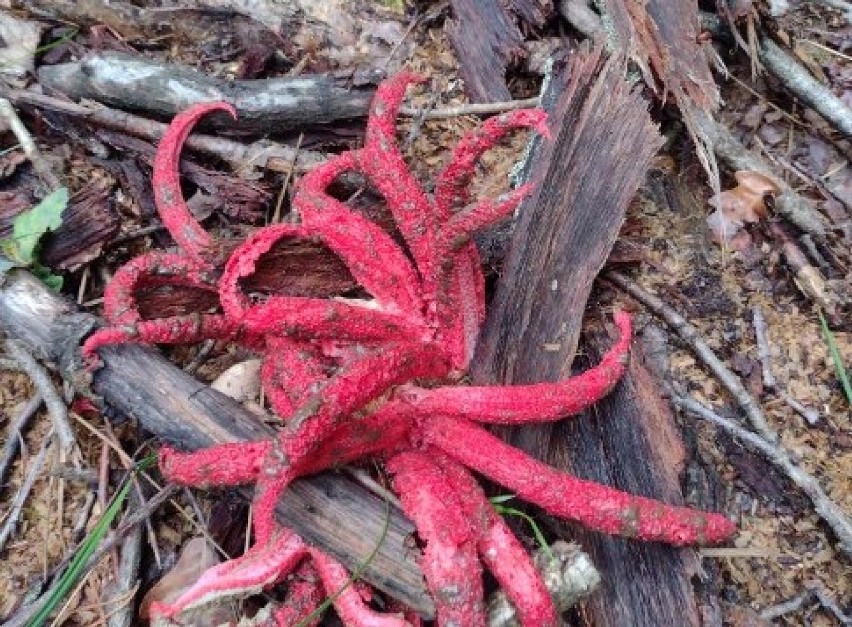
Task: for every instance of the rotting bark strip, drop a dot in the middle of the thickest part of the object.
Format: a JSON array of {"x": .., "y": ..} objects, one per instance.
[{"x": 327, "y": 510}]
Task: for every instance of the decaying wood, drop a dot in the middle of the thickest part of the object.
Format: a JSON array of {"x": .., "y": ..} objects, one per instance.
[
  {"x": 569, "y": 223},
  {"x": 136, "y": 83},
  {"x": 281, "y": 271},
  {"x": 629, "y": 440},
  {"x": 486, "y": 41},
  {"x": 662, "y": 38},
  {"x": 327, "y": 510},
  {"x": 88, "y": 224},
  {"x": 565, "y": 232}
]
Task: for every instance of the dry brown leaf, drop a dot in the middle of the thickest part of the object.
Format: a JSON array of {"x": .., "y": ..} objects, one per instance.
[
  {"x": 196, "y": 557},
  {"x": 746, "y": 203},
  {"x": 241, "y": 381},
  {"x": 20, "y": 39}
]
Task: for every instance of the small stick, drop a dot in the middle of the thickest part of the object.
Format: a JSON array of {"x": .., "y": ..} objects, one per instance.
[
  {"x": 41, "y": 379},
  {"x": 812, "y": 416},
  {"x": 83, "y": 517},
  {"x": 23, "y": 616},
  {"x": 794, "y": 604},
  {"x": 200, "y": 356},
  {"x": 121, "y": 613},
  {"x": 804, "y": 86},
  {"x": 763, "y": 351},
  {"x": 276, "y": 215},
  {"x": 11, "y": 521},
  {"x": 47, "y": 176},
  {"x": 769, "y": 381},
  {"x": 13, "y": 437},
  {"x": 825, "y": 507},
  {"x": 485, "y": 108},
  {"x": 140, "y": 232},
  {"x": 692, "y": 337},
  {"x": 264, "y": 154}
]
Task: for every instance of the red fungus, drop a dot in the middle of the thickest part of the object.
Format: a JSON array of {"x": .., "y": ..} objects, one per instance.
[{"x": 377, "y": 378}]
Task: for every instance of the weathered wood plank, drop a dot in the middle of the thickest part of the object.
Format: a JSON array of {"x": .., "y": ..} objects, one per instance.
[{"x": 588, "y": 174}]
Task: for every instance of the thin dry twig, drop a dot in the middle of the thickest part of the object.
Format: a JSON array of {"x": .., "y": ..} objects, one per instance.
[
  {"x": 804, "y": 86},
  {"x": 693, "y": 338},
  {"x": 812, "y": 416},
  {"x": 763, "y": 352},
  {"x": 766, "y": 440},
  {"x": 15, "y": 434},
  {"x": 22, "y": 360},
  {"x": 11, "y": 522},
  {"x": 41, "y": 167},
  {"x": 485, "y": 108},
  {"x": 825, "y": 507},
  {"x": 794, "y": 604},
  {"x": 263, "y": 154},
  {"x": 121, "y": 613}
]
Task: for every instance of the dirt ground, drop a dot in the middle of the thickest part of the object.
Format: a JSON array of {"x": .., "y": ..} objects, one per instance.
[{"x": 783, "y": 548}]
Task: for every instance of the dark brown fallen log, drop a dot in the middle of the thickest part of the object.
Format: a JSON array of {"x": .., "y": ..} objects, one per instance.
[
  {"x": 630, "y": 441},
  {"x": 136, "y": 83},
  {"x": 567, "y": 227},
  {"x": 486, "y": 41},
  {"x": 88, "y": 224},
  {"x": 326, "y": 510},
  {"x": 257, "y": 154}
]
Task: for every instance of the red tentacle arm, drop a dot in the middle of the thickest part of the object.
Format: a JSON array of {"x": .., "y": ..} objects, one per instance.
[
  {"x": 452, "y": 186},
  {"x": 304, "y": 595},
  {"x": 290, "y": 374},
  {"x": 150, "y": 270},
  {"x": 374, "y": 259},
  {"x": 309, "y": 317},
  {"x": 593, "y": 505},
  {"x": 186, "y": 231},
  {"x": 450, "y": 565},
  {"x": 350, "y": 390},
  {"x": 530, "y": 403},
  {"x": 347, "y": 600},
  {"x": 500, "y": 550},
  {"x": 260, "y": 568},
  {"x": 462, "y": 225},
  {"x": 223, "y": 465},
  {"x": 382, "y": 161},
  {"x": 187, "y": 329}
]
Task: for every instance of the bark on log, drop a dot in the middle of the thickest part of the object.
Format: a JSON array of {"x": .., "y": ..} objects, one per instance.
[
  {"x": 566, "y": 230},
  {"x": 630, "y": 441},
  {"x": 272, "y": 105},
  {"x": 486, "y": 41},
  {"x": 327, "y": 510}
]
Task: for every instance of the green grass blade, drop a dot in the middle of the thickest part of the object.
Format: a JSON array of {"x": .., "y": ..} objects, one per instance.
[
  {"x": 836, "y": 357},
  {"x": 77, "y": 565},
  {"x": 539, "y": 536},
  {"x": 355, "y": 576}
]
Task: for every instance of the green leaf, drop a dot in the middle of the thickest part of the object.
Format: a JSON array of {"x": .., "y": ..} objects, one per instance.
[
  {"x": 501, "y": 498},
  {"x": 53, "y": 281},
  {"x": 30, "y": 226}
]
